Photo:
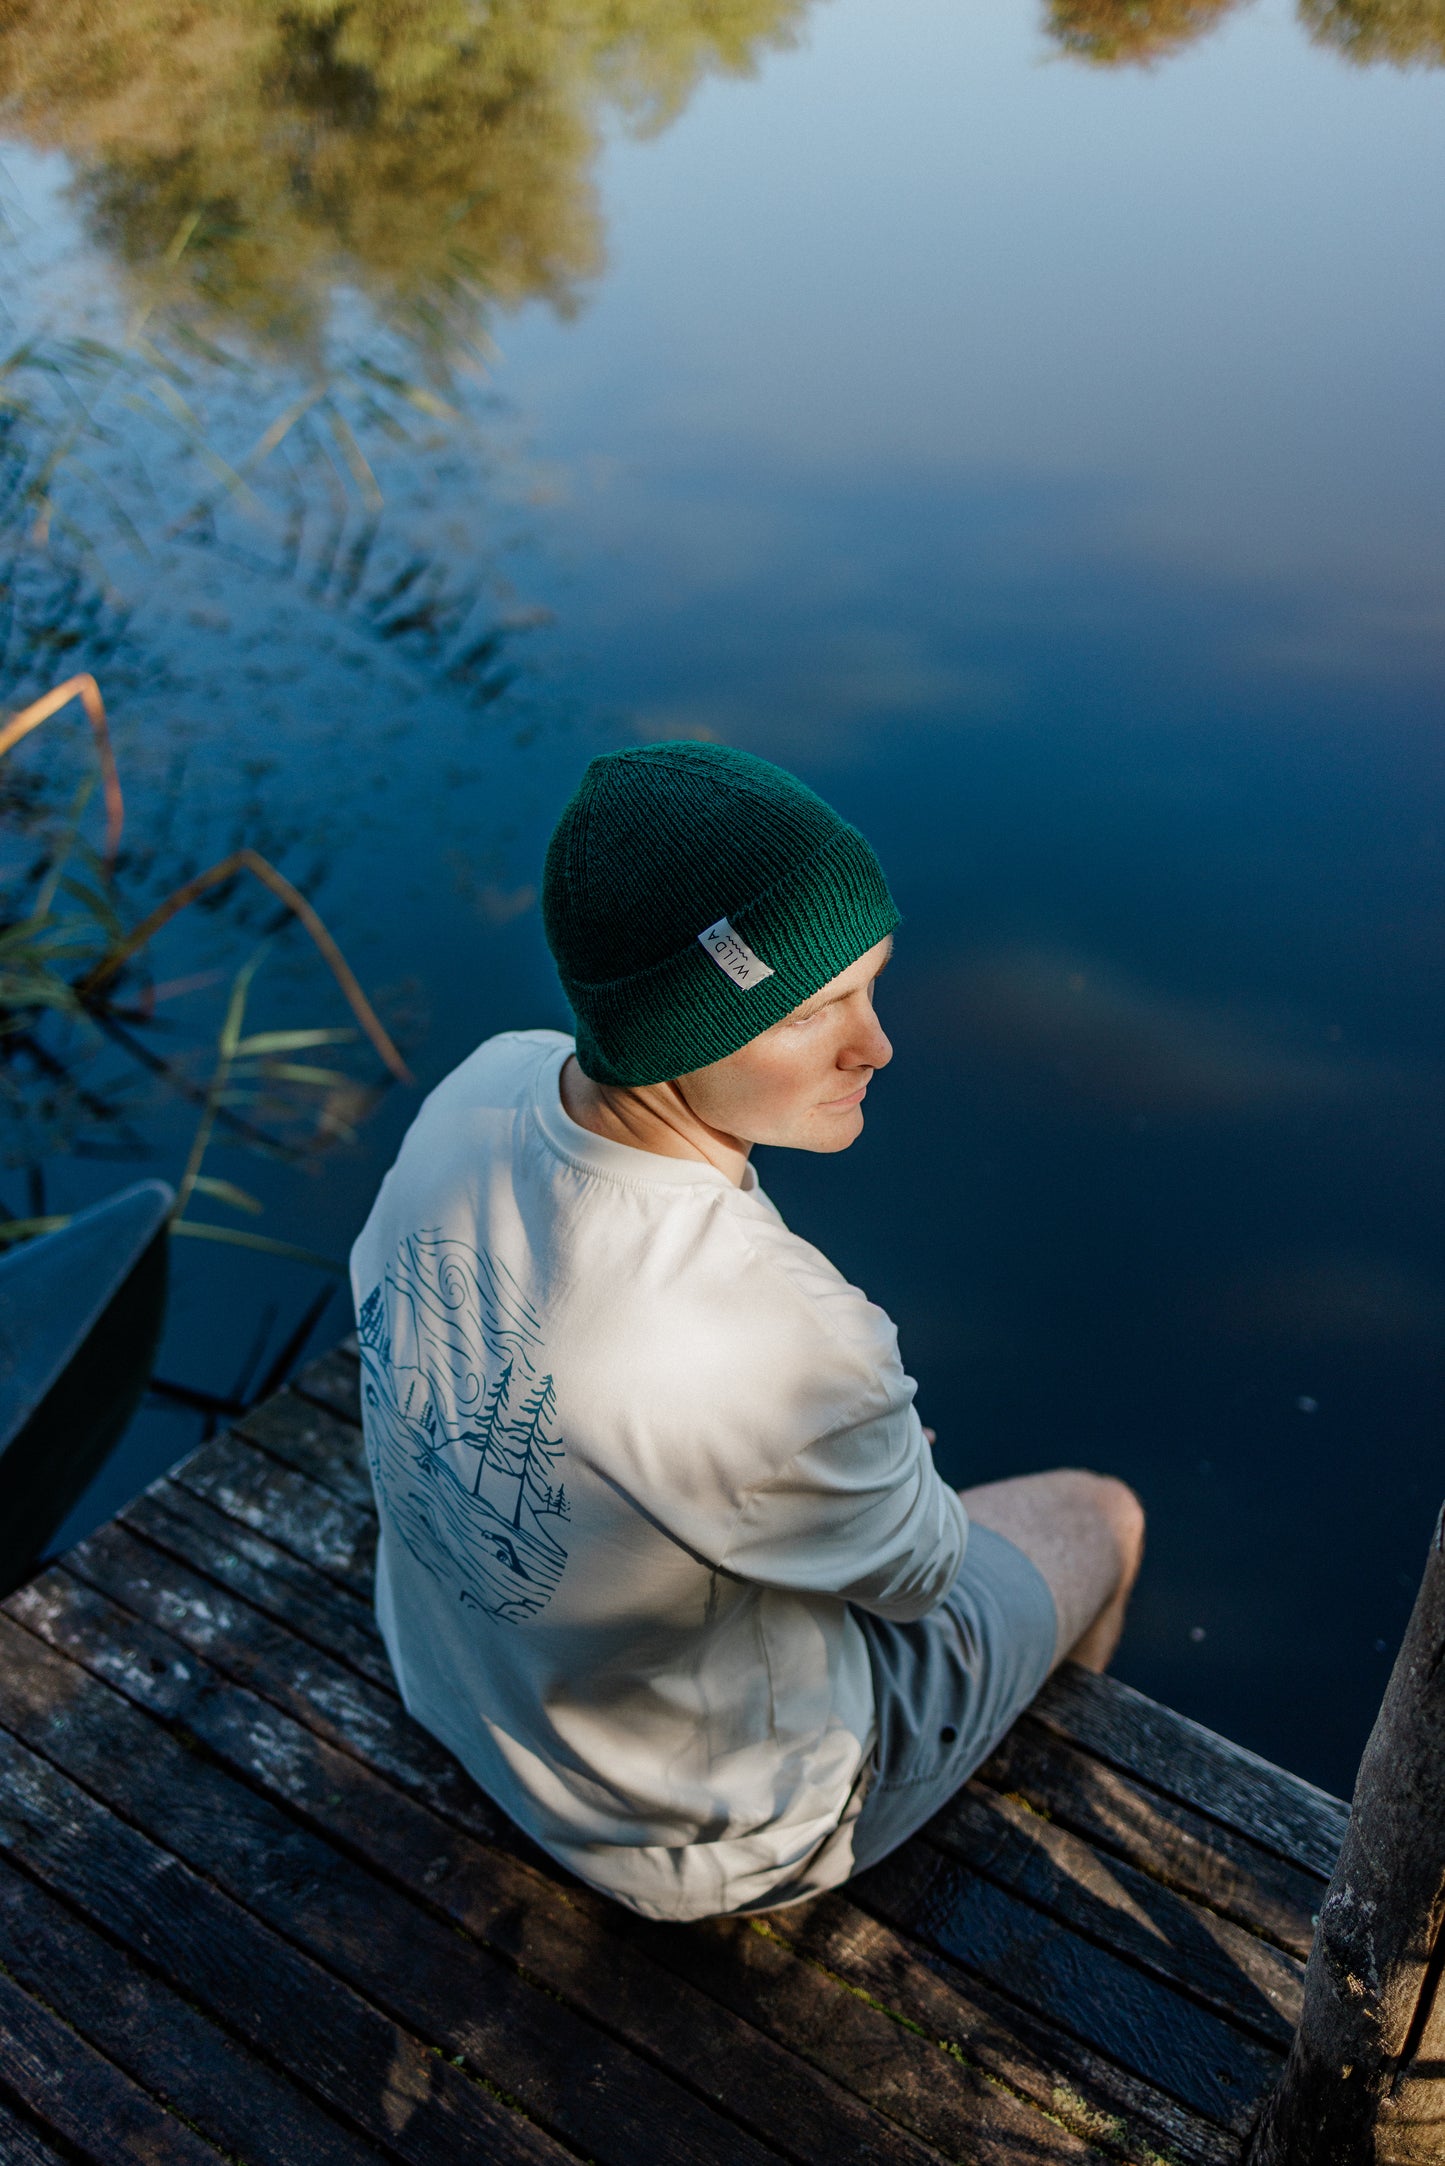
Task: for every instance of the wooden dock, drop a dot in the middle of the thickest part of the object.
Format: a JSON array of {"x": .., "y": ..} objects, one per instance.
[{"x": 249, "y": 1911}]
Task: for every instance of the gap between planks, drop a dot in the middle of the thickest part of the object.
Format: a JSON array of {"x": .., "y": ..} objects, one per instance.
[
  {"x": 327, "y": 1388},
  {"x": 256, "y": 1580},
  {"x": 327, "y": 1385}
]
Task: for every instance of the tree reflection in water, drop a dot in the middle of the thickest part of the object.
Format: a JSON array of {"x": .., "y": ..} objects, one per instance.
[
  {"x": 244, "y": 159},
  {"x": 1120, "y": 33},
  {"x": 1123, "y": 33},
  {"x": 245, "y": 163},
  {"x": 1407, "y": 33},
  {"x": 247, "y": 167},
  {"x": 437, "y": 155}
]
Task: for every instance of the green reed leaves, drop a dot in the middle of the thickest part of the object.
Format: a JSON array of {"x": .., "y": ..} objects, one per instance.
[{"x": 66, "y": 958}]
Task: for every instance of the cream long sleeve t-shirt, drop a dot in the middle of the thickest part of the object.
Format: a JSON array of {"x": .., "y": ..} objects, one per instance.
[{"x": 636, "y": 1449}]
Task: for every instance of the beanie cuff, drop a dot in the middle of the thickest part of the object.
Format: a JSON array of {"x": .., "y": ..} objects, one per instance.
[{"x": 686, "y": 1011}]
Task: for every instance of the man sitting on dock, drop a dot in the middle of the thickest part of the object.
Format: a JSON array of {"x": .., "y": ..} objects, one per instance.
[{"x": 665, "y": 1560}]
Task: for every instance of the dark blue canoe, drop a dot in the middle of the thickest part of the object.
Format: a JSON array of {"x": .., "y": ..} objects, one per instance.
[{"x": 80, "y": 1315}]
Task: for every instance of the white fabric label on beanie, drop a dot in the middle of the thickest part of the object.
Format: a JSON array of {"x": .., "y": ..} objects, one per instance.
[{"x": 731, "y": 953}]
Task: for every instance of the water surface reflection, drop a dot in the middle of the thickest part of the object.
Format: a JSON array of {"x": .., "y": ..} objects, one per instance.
[
  {"x": 245, "y": 162},
  {"x": 1041, "y": 459}
]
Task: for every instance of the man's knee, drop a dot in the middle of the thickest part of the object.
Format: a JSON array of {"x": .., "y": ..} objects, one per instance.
[
  {"x": 1115, "y": 1504},
  {"x": 1084, "y": 1531}
]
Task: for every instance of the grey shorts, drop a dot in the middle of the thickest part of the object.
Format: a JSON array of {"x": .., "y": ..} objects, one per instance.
[{"x": 947, "y": 1687}]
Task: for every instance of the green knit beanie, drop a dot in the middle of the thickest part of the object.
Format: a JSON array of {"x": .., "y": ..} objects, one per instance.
[{"x": 694, "y": 895}]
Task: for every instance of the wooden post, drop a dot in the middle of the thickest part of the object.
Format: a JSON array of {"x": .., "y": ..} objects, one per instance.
[{"x": 1365, "y": 2081}]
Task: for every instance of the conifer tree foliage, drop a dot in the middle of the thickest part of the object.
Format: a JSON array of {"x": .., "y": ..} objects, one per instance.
[
  {"x": 538, "y": 1453},
  {"x": 519, "y": 1449},
  {"x": 451, "y": 1355},
  {"x": 490, "y": 1440}
]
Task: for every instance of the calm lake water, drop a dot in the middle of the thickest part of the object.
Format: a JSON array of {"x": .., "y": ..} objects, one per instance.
[{"x": 1025, "y": 426}]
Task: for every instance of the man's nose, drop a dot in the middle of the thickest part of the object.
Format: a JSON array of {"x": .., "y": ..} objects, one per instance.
[{"x": 870, "y": 1048}]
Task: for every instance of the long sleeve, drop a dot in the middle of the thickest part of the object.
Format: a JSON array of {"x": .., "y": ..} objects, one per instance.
[{"x": 861, "y": 1514}]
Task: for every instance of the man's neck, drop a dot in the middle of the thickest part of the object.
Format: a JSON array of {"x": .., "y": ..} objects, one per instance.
[{"x": 650, "y": 1117}]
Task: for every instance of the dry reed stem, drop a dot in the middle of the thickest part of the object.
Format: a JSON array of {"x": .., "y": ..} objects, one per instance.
[
  {"x": 252, "y": 861},
  {"x": 84, "y": 688}
]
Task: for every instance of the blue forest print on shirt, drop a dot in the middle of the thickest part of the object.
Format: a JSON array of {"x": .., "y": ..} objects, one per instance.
[{"x": 459, "y": 1415}]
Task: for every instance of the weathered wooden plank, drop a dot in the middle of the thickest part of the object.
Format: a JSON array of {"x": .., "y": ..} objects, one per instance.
[
  {"x": 929, "y": 2083},
  {"x": 400, "y": 2092},
  {"x": 74, "y": 2091},
  {"x": 161, "y": 2042},
  {"x": 552, "y": 1933},
  {"x": 21, "y": 2143},
  {"x": 1012, "y": 2046},
  {"x": 346, "y": 1710},
  {"x": 291, "y": 1510},
  {"x": 278, "y": 1510},
  {"x": 539, "y": 1925},
  {"x": 1157, "y": 2034},
  {"x": 329, "y": 1792},
  {"x": 292, "y": 1593},
  {"x": 312, "y": 1440},
  {"x": 582, "y": 2084},
  {"x": 1184, "y": 1760},
  {"x": 333, "y": 1381},
  {"x": 246, "y": 1583},
  {"x": 413, "y": 1759},
  {"x": 1281, "y": 1813},
  {"x": 1129, "y": 1819},
  {"x": 1217, "y": 1963}
]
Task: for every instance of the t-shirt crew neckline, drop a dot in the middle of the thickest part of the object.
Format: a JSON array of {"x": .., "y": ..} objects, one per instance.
[{"x": 591, "y": 1153}]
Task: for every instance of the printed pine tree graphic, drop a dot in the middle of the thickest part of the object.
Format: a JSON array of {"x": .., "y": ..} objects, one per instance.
[
  {"x": 539, "y": 1452},
  {"x": 556, "y": 1503},
  {"x": 371, "y": 1324},
  {"x": 490, "y": 1440}
]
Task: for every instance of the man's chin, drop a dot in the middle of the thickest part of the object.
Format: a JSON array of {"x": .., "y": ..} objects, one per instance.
[{"x": 834, "y": 1131}]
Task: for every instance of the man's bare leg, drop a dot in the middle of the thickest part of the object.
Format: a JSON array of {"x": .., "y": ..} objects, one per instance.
[{"x": 1085, "y": 1532}]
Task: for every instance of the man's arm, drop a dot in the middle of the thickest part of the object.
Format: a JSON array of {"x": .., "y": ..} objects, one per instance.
[{"x": 861, "y": 1514}]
